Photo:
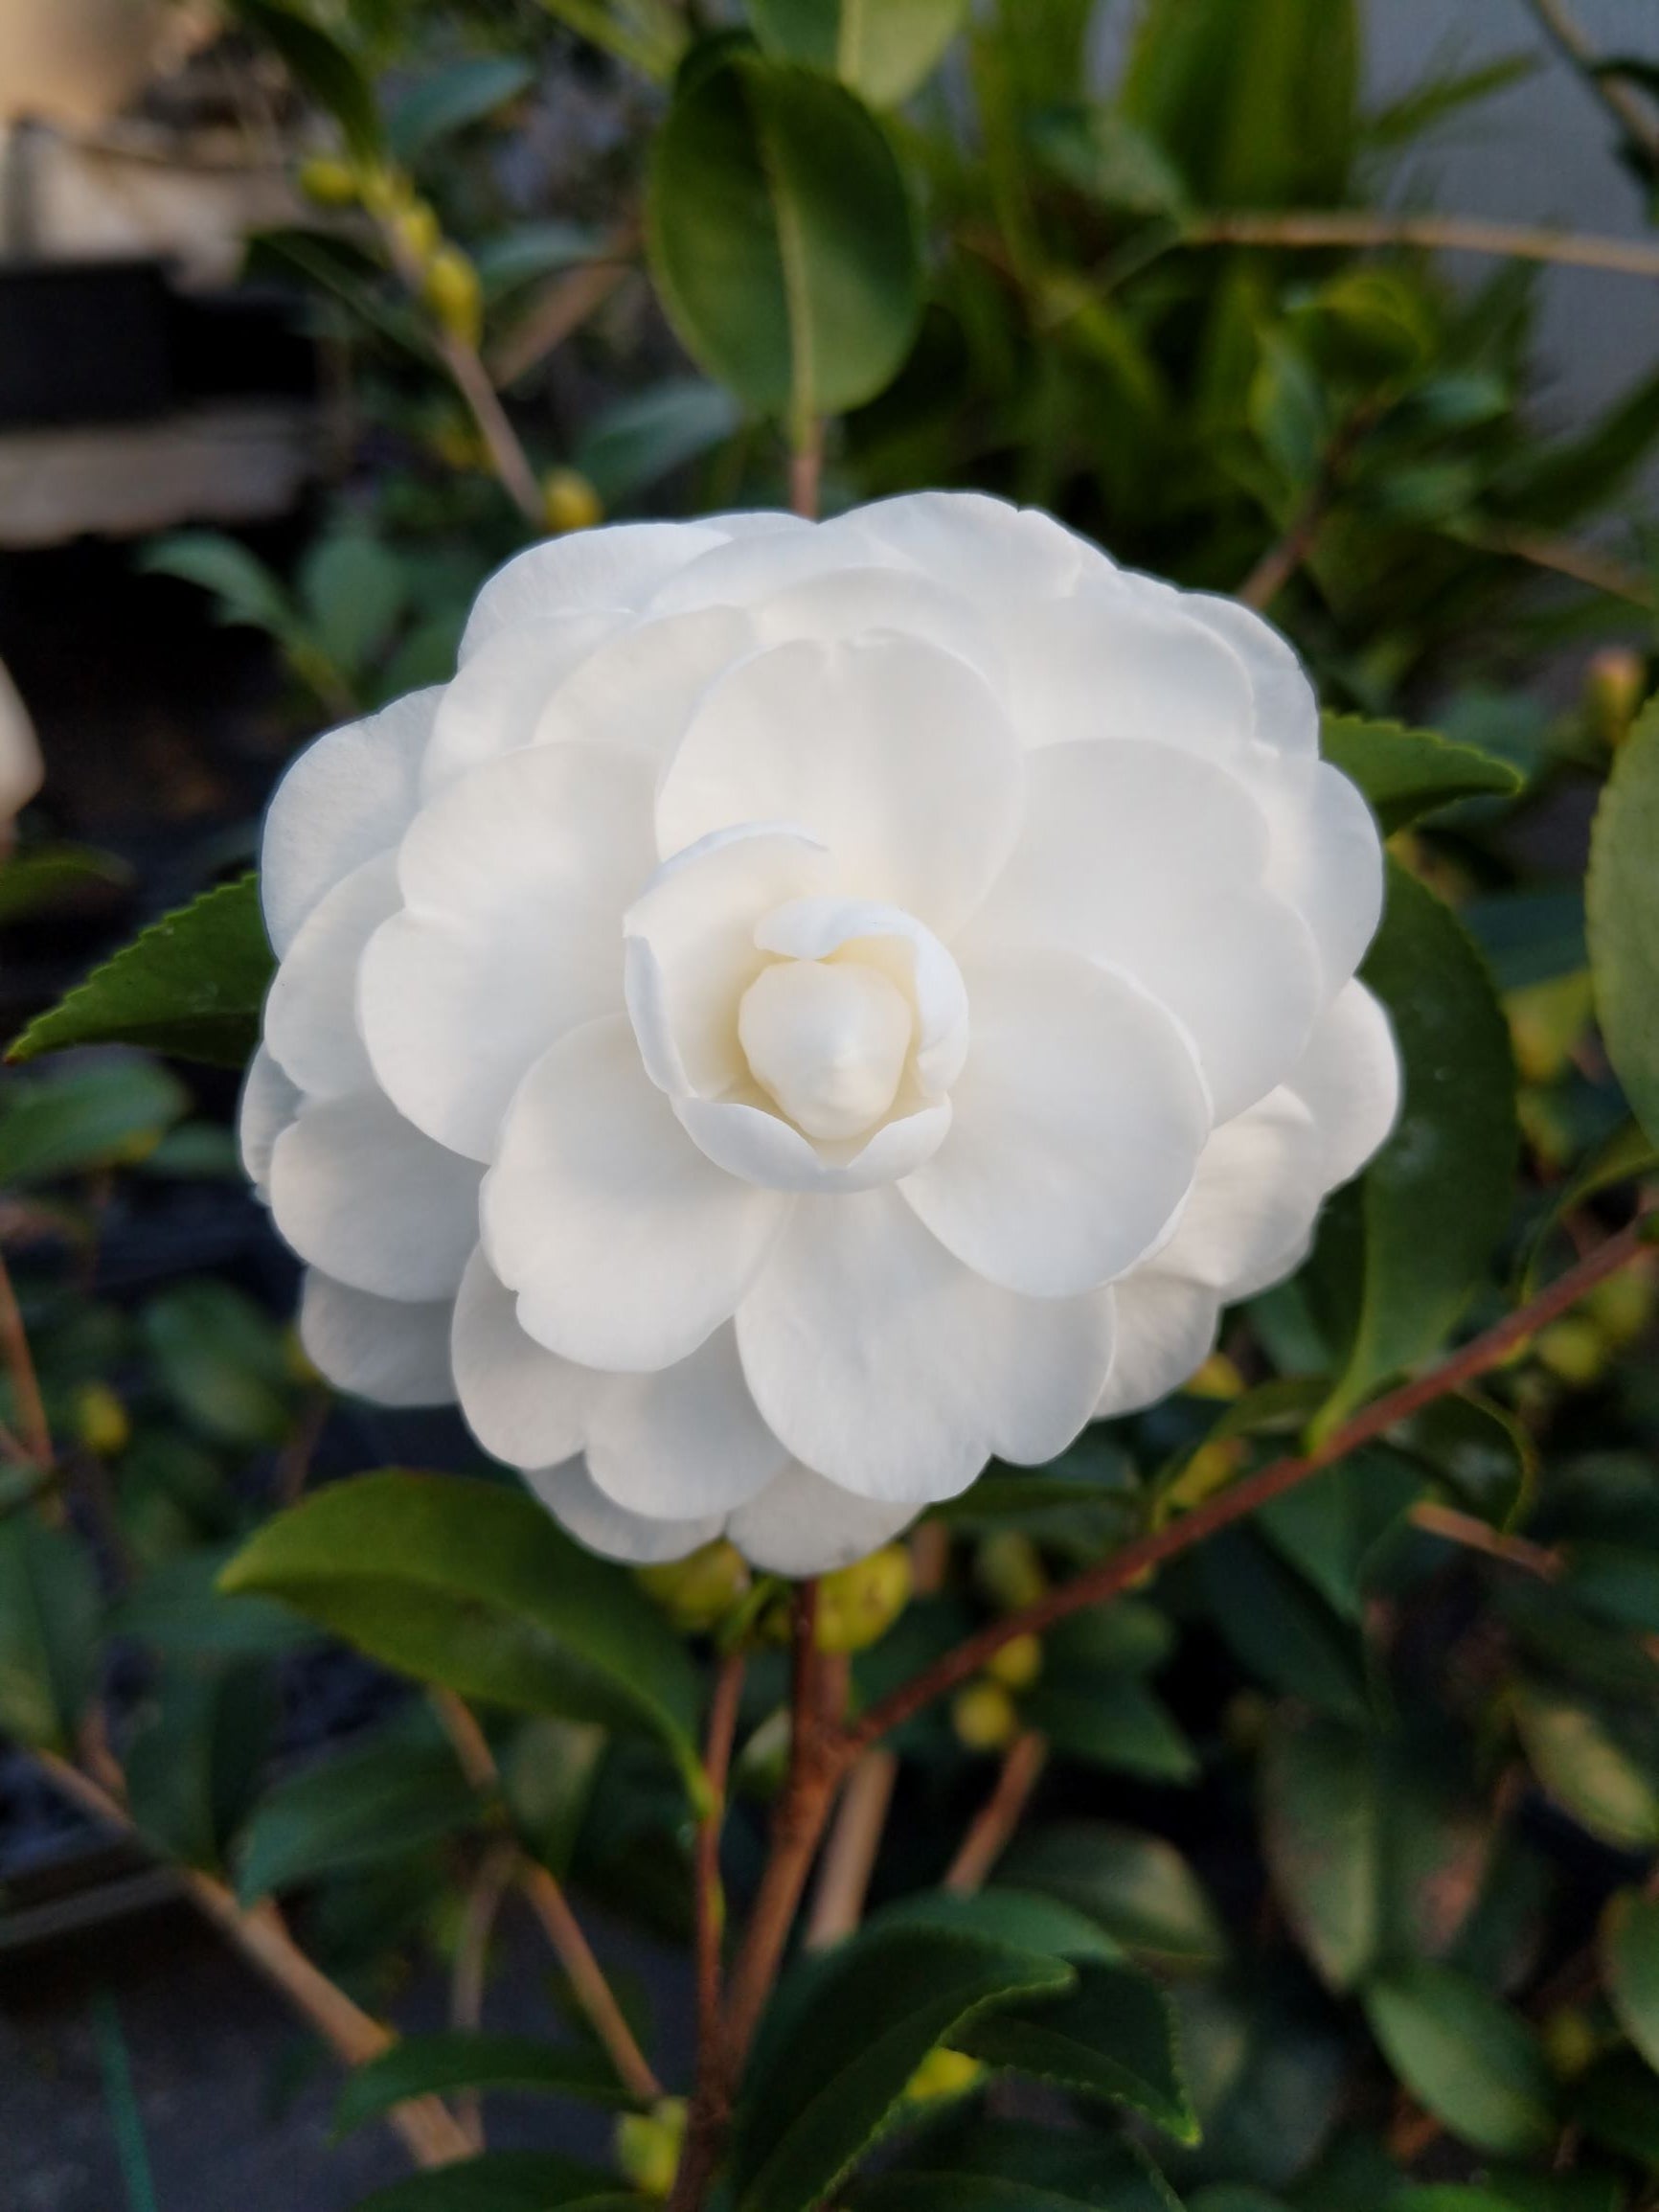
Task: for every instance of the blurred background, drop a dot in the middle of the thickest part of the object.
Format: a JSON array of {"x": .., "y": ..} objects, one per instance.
[{"x": 268, "y": 413}]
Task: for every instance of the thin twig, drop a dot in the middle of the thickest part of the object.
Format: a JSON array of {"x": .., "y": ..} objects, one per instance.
[
  {"x": 851, "y": 1850},
  {"x": 31, "y": 1421},
  {"x": 1474, "y": 1534},
  {"x": 507, "y": 455},
  {"x": 1316, "y": 228},
  {"x": 993, "y": 1826},
  {"x": 1621, "y": 101},
  {"x": 294, "y": 1460},
  {"x": 806, "y": 470},
  {"x": 1280, "y": 562},
  {"x": 468, "y": 1973},
  {"x": 562, "y": 309},
  {"x": 1135, "y": 1559},
  {"x": 711, "y": 1896},
  {"x": 1584, "y": 564},
  {"x": 428, "y": 2129}
]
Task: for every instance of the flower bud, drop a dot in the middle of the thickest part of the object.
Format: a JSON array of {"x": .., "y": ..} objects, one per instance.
[
  {"x": 943, "y": 2073},
  {"x": 1574, "y": 1349},
  {"x": 1570, "y": 2042},
  {"x": 385, "y": 192},
  {"x": 1018, "y": 1664},
  {"x": 451, "y": 290},
  {"x": 1546, "y": 1022},
  {"x": 1009, "y": 1569},
  {"x": 571, "y": 501},
  {"x": 416, "y": 230},
  {"x": 857, "y": 1605},
  {"x": 1623, "y": 1306},
  {"x": 698, "y": 1593},
  {"x": 647, "y": 2145},
  {"x": 984, "y": 1717},
  {"x": 100, "y": 1420},
  {"x": 1614, "y": 683},
  {"x": 1218, "y": 1379},
  {"x": 329, "y": 181}
]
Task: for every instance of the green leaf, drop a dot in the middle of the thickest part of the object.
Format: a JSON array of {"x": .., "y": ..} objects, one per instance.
[
  {"x": 547, "y": 1774},
  {"x": 1630, "y": 1946},
  {"x": 506, "y": 2182},
  {"x": 1280, "y": 1628},
  {"x": 248, "y": 591},
  {"x": 638, "y": 441},
  {"x": 471, "y": 1585},
  {"x": 1617, "y": 2103},
  {"x": 1333, "y": 1528},
  {"x": 434, "y": 2064},
  {"x": 1582, "y": 1765},
  {"x": 1478, "y": 1450},
  {"x": 1113, "y": 2035},
  {"x": 1467, "y": 2057},
  {"x": 1137, "y": 1887},
  {"x": 1622, "y": 908},
  {"x": 1615, "y": 1582},
  {"x": 322, "y": 68},
  {"x": 834, "y": 2073},
  {"x": 782, "y": 238},
  {"x": 1016, "y": 2166},
  {"x": 75, "y": 1119},
  {"x": 463, "y": 93},
  {"x": 883, "y": 50},
  {"x": 1020, "y": 1919},
  {"x": 52, "y": 875},
  {"x": 49, "y": 1609},
  {"x": 354, "y": 591},
  {"x": 222, "y": 1360},
  {"x": 1099, "y": 153},
  {"x": 1529, "y": 936},
  {"x": 529, "y": 251},
  {"x": 1111, "y": 1723},
  {"x": 192, "y": 984},
  {"x": 1415, "y": 1236},
  {"x": 352, "y": 1811},
  {"x": 194, "y": 1764},
  {"x": 1406, "y": 773},
  {"x": 178, "y": 1610}
]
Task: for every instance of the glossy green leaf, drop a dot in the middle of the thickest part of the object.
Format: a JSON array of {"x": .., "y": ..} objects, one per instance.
[
  {"x": 471, "y": 1585},
  {"x": 880, "y": 49},
  {"x": 1630, "y": 1946},
  {"x": 1016, "y": 2166},
  {"x": 248, "y": 591},
  {"x": 99, "y": 1114},
  {"x": 49, "y": 877},
  {"x": 1582, "y": 1765},
  {"x": 1482, "y": 1453},
  {"x": 1112, "y": 2037},
  {"x": 1334, "y": 1529},
  {"x": 1621, "y": 904},
  {"x": 321, "y": 67},
  {"x": 1280, "y": 1628},
  {"x": 192, "y": 984},
  {"x": 49, "y": 1608},
  {"x": 354, "y": 590},
  {"x": 350, "y": 1811},
  {"x": 463, "y": 93},
  {"x": 1404, "y": 1248},
  {"x": 1137, "y": 1887},
  {"x": 1467, "y": 2057},
  {"x": 828, "y": 2081},
  {"x": 506, "y": 2182},
  {"x": 193, "y": 1763},
  {"x": 1109, "y": 1722},
  {"x": 177, "y": 1610},
  {"x": 434, "y": 2064},
  {"x": 781, "y": 237},
  {"x": 1019, "y": 1918},
  {"x": 1406, "y": 773}
]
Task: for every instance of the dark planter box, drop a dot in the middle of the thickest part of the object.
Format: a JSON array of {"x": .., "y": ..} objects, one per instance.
[{"x": 83, "y": 342}]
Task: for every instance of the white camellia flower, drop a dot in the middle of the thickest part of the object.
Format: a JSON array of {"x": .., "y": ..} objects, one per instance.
[{"x": 808, "y": 1008}]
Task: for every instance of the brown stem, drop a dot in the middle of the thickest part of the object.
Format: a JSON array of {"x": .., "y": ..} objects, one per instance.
[
  {"x": 1320, "y": 227},
  {"x": 1584, "y": 564},
  {"x": 993, "y": 1826},
  {"x": 20, "y": 1361},
  {"x": 507, "y": 455},
  {"x": 806, "y": 471},
  {"x": 711, "y": 2112},
  {"x": 1463, "y": 1528},
  {"x": 851, "y": 1851},
  {"x": 1280, "y": 562},
  {"x": 467, "y": 1975},
  {"x": 563, "y": 308},
  {"x": 1136, "y": 1560},
  {"x": 428, "y": 2129}
]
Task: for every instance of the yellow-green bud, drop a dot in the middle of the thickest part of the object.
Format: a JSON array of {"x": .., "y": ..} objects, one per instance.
[
  {"x": 100, "y": 1420},
  {"x": 329, "y": 181},
  {"x": 1623, "y": 1306},
  {"x": 1218, "y": 1379},
  {"x": 1018, "y": 1664},
  {"x": 1009, "y": 1569},
  {"x": 857, "y": 1605},
  {"x": 984, "y": 1717},
  {"x": 451, "y": 289},
  {"x": 1546, "y": 1021},
  {"x": 698, "y": 1593},
  {"x": 416, "y": 230},
  {"x": 647, "y": 2145},
  {"x": 571, "y": 501},
  {"x": 1574, "y": 1349},
  {"x": 297, "y": 1362},
  {"x": 385, "y": 192},
  {"x": 1570, "y": 2042},
  {"x": 1614, "y": 683},
  {"x": 942, "y": 2073}
]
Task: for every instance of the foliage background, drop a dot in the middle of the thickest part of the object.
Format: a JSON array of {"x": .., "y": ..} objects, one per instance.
[{"x": 1334, "y": 1886}]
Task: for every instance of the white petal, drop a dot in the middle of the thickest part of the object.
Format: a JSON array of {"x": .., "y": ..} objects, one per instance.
[
  {"x": 365, "y": 1196},
  {"x": 524, "y": 1403},
  {"x": 1256, "y": 1192},
  {"x": 854, "y": 600},
  {"x": 640, "y": 691},
  {"x": 1080, "y": 1119},
  {"x": 802, "y": 1525},
  {"x": 1287, "y": 708},
  {"x": 268, "y": 1104},
  {"x": 753, "y": 568},
  {"x": 896, "y": 755},
  {"x": 1327, "y": 860},
  {"x": 626, "y": 1246},
  {"x": 1166, "y": 1330},
  {"x": 1110, "y": 663},
  {"x": 617, "y": 567},
  {"x": 496, "y": 700},
  {"x": 1349, "y": 1079},
  {"x": 384, "y": 1349},
  {"x": 585, "y": 1513},
  {"x": 311, "y": 1013},
  {"x": 984, "y": 547},
  {"x": 1148, "y": 860},
  {"x": 345, "y": 798},
  {"x": 515, "y": 881},
  {"x": 753, "y": 1143},
  {"x": 894, "y": 1371},
  {"x": 905, "y": 950},
  {"x": 692, "y": 951},
  {"x": 685, "y": 1442}
]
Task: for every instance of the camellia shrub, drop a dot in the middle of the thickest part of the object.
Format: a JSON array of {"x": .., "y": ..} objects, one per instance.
[{"x": 1032, "y": 1196}]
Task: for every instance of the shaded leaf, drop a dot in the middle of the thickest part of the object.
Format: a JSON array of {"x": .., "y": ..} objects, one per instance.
[
  {"x": 1111, "y": 1723},
  {"x": 1405, "y": 773},
  {"x": 1280, "y": 1628},
  {"x": 321, "y": 67},
  {"x": 434, "y": 2065},
  {"x": 52, "y": 875},
  {"x": 192, "y": 1766},
  {"x": 99, "y": 1114},
  {"x": 351, "y": 1811},
  {"x": 221, "y": 1359},
  {"x": 1582, "y": 1765},
  {"x": 635, "y": 442},
  {"x": 49, "y": 1609},
  {"x": 1467, "y": 2057},
  {"x": 1113, "y": 2037},
  {"x": 1137, "y": 1887},
  {"x": 882, "y": 49},
  {"x": 463, "y": 93},
  {"x": 354, "y": 590},
  {"x": 1015, "y": 2166},
  {"x": 506, "y": 2182},
  {"x": 1623, "y": 910},
  {"x": 1629, "y": 1943}
]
